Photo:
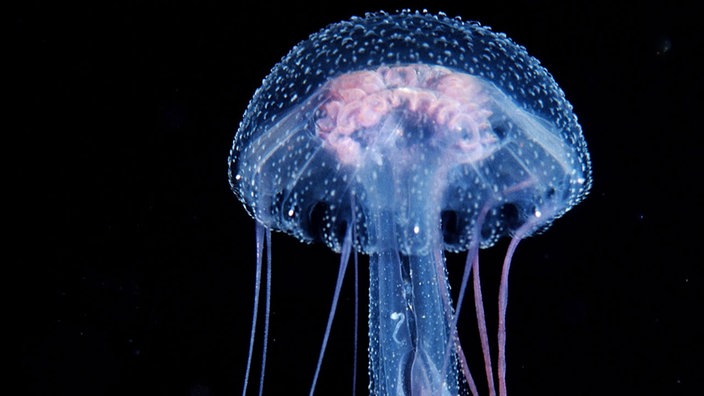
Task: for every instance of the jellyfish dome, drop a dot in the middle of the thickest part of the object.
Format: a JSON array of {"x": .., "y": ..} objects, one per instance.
[{"x": 409, "y": 134}]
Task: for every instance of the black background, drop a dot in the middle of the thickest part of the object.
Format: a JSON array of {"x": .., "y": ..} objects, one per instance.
[{"x": 130, "y": 264}]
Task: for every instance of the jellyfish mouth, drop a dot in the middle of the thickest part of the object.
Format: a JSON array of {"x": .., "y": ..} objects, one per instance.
[{"x": 401, "y": 108}]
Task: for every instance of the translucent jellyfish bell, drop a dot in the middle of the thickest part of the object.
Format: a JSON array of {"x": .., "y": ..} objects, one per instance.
[{"x": 401, "y": 136}]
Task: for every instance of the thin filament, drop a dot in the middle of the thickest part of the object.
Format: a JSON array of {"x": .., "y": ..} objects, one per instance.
[
  {"x": 503, "y": 304},
  {"x": 267, "y": 308},
  {"x": 259, "y": 239},
  {"x": 471, "y": 256},
  {"x": 471, "y": 261},
  {"x": 356, "y": 302},
  {"x": 525, "y": 229},
  {"x": 356, "y": 323},
  {"x": 481, "y": 321},
  {"x": 344, "y": 258},
  {"x": 465, "y": 370}
]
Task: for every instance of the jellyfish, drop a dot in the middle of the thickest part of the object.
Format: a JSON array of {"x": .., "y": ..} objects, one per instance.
[{"x": 402, "y": 136}]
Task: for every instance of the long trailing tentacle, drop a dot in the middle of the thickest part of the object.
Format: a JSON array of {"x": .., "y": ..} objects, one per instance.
[
  {"x": 481, "y": 322},
  {"x": 472, "y": 256},
  {"x": 503, "y": 303},
  {"x": 344, "y": 258},
  {"x": 538, "y": 217},
  {"x": 267, "y": 308},
  {"x": 259, "y": 241},
  {"x": 356, "y": 323}
]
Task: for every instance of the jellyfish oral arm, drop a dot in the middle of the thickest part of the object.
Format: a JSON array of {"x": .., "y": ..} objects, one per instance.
[
  {"x": 409, "y": 323},
  {"x": 410, "y": 313}
]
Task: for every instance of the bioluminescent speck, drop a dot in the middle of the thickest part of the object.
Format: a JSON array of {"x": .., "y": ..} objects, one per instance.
[{"x": 401, "y": 136}]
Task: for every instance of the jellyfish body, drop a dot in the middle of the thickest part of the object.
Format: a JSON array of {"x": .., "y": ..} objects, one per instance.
[{"x": 406, "y": 135}]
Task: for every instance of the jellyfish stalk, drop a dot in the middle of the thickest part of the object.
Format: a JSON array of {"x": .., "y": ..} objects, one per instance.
[{"x": 410, "y": 315}]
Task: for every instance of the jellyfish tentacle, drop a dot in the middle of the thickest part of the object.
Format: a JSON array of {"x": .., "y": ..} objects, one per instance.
[
  {"x": 267, "y": 307},
  {"x": 465, "y": 370},
  {"x": 503, "y": 304},
  {"x": 344, "y": 259},
  {"x": 259, "y": 241},
  {"x": 540, "y": 216},
  {"x": 356, "y": 319},
  {"x": 471, "y": 256},
  {"x": 470, "y": 262},
  {"x": 481, "y": 321}
]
